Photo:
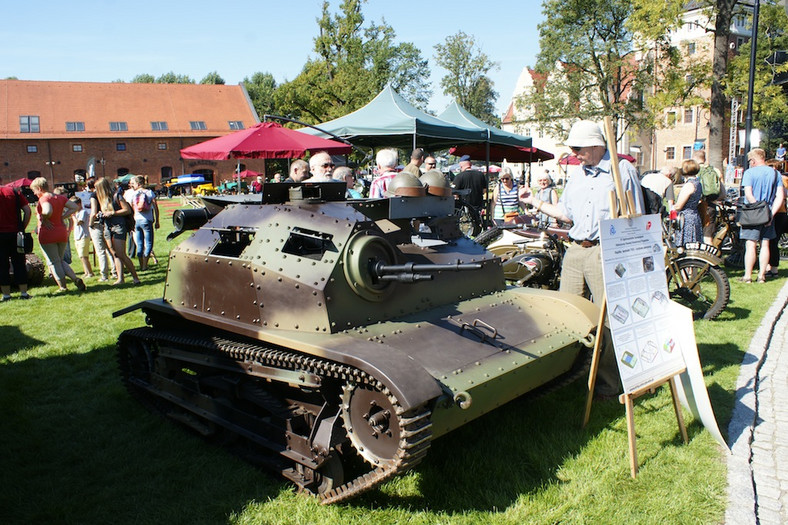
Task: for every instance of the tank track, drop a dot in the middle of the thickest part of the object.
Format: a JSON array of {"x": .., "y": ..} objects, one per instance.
[{"x": 415, "y": 427}]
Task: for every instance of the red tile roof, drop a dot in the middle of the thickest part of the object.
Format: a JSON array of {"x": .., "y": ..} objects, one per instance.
[{"x": 97, "y": 104}]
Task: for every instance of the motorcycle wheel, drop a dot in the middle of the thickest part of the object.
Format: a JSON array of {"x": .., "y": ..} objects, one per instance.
[
  {"x": 470, "y": 221},
  {"x": 709, "y": 291},
  {"x": 488, "y": 237}
]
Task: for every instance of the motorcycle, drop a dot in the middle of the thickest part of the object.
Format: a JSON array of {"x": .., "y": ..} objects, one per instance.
[{"x": 533, "y": 256}]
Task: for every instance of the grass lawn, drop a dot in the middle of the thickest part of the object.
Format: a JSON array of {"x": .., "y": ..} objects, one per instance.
[{"x": 75, "y": 448}]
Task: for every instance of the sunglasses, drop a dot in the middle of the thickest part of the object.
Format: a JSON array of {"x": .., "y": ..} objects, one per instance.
[
  {"x": 328, "y": 165},
  {"x": 430, "y": 163},
  {"x": 575, "y": 149}
]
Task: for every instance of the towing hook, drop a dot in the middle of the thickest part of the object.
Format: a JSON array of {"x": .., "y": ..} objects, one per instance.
[{"x": 463, "y": 400}]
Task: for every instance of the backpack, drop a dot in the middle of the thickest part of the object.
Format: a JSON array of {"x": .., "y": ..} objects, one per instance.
[
  {"x": 709, "y": 181},
  {"x": 141, "y": 202},
  {"x": 652, "y": 202}
]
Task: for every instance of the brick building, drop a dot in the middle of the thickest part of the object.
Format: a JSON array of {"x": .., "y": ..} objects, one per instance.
[{"x": 56, "y": 129}]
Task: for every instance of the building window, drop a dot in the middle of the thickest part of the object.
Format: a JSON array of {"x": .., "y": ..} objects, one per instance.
[
  {"x": 527, "y": 132},
  {"x": 29, "y": 124},
  {"x": 120, "y": 146},
  {"x": 672, "y": 118},
  {"x": 688, "y": 115},
  {"x": 197, "y": 125},
  {"x": 159, "y": 126},
  {"x": 687, "y": 152},
  {"x": 162, "y": 145},
  {"x": 670, "y": 153},
  {"x": 32, "y": 149},
  {"x": 75, "y": 126},
  {"x": 691, "y": 48},
  {"x": 76, "y": 148},
  {"x": 739, "y": 41},
  {"x": 236, "y": 124},
  {"x": 118, "y": 126}
]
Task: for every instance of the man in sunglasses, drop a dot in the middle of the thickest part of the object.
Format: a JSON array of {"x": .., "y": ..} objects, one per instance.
[
  {"x": 321, "y": 166},
  {"x": 585, "y": 202}
]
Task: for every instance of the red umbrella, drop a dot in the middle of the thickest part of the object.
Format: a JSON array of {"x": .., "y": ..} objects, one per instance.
[
  {"x": 267, "y": 140},
  {"x": 20, "y": 182},
  {"x": 248, "y": 173},
  {"x": 571, "y": 160},
  {"x": 499, "y": 152}
]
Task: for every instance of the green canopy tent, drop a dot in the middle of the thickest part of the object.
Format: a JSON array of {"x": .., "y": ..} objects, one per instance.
[
  {"x": 457, "y": 115},
  {"x": 389, "y": 120}
]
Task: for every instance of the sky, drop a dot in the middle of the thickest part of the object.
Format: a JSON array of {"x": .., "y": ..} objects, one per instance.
[{"x": 109, "y": 40}]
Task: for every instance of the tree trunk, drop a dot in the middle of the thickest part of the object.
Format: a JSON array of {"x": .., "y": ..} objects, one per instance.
[{"x": 719, "y": 68}]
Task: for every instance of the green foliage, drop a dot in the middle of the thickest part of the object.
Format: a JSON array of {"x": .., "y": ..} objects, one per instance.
[
  {"x": 591, "y": 64},
  {"x": 212, "y": 78},
  {"x": 172, "y": 78},
  {"x": 261, "y": 88},
  {"x": 143, "y": 78},
  {"x": 353, "y": 63},
  {"x": 770, "y": 101},
  {"x": 466, "y": 80}
]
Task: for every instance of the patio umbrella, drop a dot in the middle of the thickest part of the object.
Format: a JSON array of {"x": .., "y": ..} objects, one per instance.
[
  {"x": 248, "y": 173},
  {"x": 267, "y": 140},
  {"x": 501, "y": 152},
  {"x": 20, "y": 182}
]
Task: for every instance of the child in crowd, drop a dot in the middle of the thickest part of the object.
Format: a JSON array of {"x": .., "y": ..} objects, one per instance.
[{"x": 82, "y": 236}]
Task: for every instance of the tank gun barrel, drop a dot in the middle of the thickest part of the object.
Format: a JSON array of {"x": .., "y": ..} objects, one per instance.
[{"x": 412, "y": 272}]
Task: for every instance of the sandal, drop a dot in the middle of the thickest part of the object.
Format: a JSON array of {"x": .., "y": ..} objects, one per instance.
[
  {"x": 761, "y": 278},
  {"x": 746, "y": 280}
]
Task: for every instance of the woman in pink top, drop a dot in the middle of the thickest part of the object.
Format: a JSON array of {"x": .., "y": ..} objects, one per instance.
[{"x": 52, "y": 232}]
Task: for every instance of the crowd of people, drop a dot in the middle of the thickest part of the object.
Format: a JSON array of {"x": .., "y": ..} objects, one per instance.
[
  {"x": 103, "y": 216},
  {"x": 119, "y": 222}
]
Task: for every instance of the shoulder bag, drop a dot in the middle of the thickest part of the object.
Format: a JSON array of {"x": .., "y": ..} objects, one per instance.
[{"x": 754, "y": 214}]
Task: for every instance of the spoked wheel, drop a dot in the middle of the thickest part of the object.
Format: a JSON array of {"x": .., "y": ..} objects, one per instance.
[
  {"x": 701, "y": 287},
  {"x": 470, "y": 221}
]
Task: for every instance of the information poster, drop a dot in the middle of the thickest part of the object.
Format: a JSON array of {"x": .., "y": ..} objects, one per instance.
[{"x": 633, "y": 265}]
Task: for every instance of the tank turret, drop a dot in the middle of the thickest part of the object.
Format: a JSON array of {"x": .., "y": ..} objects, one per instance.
[{"x": 342, "y": 337}]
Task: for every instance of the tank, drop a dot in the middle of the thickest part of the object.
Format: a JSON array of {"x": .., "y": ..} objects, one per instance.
[{"x": 334, "y": 340}]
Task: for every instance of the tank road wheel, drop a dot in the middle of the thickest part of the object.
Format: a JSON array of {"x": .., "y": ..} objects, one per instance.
[{"x": 371, "y": 419}]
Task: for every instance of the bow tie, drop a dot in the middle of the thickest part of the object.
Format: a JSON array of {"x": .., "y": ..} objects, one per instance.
[{"x": 592, "y": 171}]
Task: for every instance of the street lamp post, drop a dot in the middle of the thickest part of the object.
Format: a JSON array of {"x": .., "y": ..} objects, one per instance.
[{"x": 751, "y": 80}]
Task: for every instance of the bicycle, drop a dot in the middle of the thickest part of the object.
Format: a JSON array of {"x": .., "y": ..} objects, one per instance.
[{"x": 695, "y": 278}]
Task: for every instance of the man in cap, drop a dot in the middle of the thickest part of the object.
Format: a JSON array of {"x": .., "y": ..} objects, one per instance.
[
  {"x": 585, "y": 202},
  {"x": 473, "y": 180},
  {"x": 416, "y": 160}
]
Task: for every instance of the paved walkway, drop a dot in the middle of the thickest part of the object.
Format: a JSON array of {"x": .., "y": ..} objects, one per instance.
[{"x": 758, "y": 431}]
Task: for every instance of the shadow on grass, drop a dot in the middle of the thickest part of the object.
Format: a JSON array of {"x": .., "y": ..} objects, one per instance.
[
  {"x": 14, "y": 339},
  {"x": 495, "y": 460},
  {"x": 71, "y": 428}
]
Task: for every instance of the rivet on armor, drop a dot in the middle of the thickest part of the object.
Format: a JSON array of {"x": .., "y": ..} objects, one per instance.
[
  {"x": 195, "y": 306},
  {"x": 208, "y": 309},
  {"x": 297, "y": 286},
  {"x": 319, "y": 303},
  {"x": 276, "y": 325}
]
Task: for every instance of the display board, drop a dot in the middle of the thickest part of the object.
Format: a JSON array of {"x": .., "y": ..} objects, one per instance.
[{"x": 633, "y": 265}]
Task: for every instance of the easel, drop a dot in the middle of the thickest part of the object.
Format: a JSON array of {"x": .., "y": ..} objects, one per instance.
[{"x": 625, "y": 202}]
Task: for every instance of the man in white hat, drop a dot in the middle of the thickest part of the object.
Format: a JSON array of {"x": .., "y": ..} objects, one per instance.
[{"x": 584, "y": 202}]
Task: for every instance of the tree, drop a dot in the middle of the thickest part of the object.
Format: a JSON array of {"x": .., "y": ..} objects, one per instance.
[
  {"x": 261, "y": 88},
  {"x": 143, "y": 78},
  {"x": 172, "y": 78},
  {"x": 588, "y": 66},
  {"x": 352, "y": 65},
  {"x": 467, "y": 80},
  {"x": 212, "y": 78},
  {"x": 770, "y": 102}
]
